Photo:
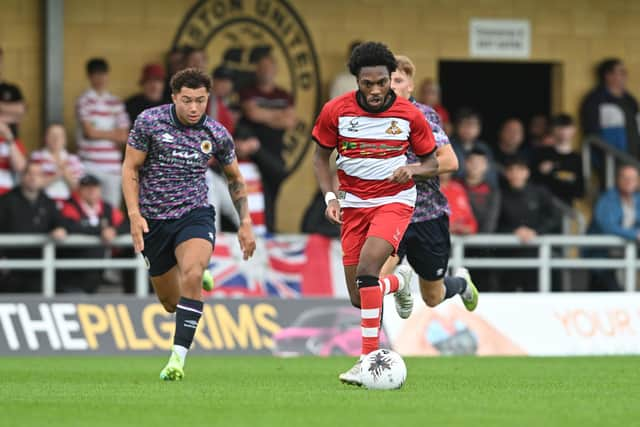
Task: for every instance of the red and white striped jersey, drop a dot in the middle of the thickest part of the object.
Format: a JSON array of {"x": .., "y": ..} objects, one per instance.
[
  {"x": 255, "y": 195},
  {"x": 58, "y": 190},
  {"x": 105, "y": 112},
  {"x": 7, "y": 174},
  {"x": 371, "y": 146}
]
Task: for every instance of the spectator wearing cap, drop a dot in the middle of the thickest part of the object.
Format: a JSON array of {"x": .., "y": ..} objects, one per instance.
[
  {"x": 526, "y": 210},
  {"x": 12, "y": 105},
  {"x": 558, "y": 168},
  {"x": 103, "y": 129},
  {"x": 268, "y": 112},
  {"x": 61, "y": 169},
  {"x": 152, "y": 84},
  {"x": 27, "y": 209},
  {"x": 221, "y": 89},
  {"x": 87, "y": 213}
]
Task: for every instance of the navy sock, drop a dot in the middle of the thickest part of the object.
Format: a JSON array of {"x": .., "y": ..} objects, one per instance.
[
  {"x": 188, "y": 314},
  {"x": 454, "y": 286}
]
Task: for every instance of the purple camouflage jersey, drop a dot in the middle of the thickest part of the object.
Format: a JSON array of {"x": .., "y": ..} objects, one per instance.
[
  {"x": 430, "y": 202},
  {"x": 172, "y": 178}
]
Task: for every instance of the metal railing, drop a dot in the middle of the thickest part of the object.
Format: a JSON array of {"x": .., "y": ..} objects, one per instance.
[
  {"x": 49, "y": 263},
  {"x": 545, "y": 262},
  {"x": 612, "y": 156}
]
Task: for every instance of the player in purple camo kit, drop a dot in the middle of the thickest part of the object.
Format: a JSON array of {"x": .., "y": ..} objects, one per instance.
[
  {"x": 163, "y": 180},
  {"x": 427, "y": 242}
]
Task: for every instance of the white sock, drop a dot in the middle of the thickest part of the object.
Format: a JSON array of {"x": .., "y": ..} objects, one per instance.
[{"x": 180, "y": 351}]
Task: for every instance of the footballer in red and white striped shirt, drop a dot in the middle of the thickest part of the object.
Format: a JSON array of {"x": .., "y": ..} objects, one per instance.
[{"x": 372, "y": 129}]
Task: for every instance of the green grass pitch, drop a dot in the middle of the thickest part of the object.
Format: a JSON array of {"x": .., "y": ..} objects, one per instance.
[{"x": 263, "y": 391}]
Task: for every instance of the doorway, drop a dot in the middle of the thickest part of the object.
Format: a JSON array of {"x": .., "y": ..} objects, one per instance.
[{"x": 499, "y": 90}]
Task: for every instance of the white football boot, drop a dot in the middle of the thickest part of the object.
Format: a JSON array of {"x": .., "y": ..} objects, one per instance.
[
  {"x": 404, "y": 300},
  {"x": 353, "y": 376}
]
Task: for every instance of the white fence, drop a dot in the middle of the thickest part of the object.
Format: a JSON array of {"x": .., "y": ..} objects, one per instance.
[
  {"x": 49, "y": 263},
  {"x": 545, "y": 262}
]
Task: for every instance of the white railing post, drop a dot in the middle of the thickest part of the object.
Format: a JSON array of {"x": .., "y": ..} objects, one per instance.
[
  {"x": 609, "y": 170},
  {"x": 457, "y": 253},
  {"x": 49, "y": 269},
  {"x": 544, "y": 270},
  {"x": 630, "y": 267},
  {"x": 142, "y": 279}
]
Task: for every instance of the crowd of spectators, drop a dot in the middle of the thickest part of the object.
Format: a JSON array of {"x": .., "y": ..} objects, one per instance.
[
  {"x": 51, "y": 190},
  {"x": 515, "y": 183}
]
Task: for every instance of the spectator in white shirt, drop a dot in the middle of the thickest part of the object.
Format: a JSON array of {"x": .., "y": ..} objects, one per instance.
[{"x": 103, "y": 127}]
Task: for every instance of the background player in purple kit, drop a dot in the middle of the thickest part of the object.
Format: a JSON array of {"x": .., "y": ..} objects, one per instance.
[
  {"x": 427, "y": 243},
  {"x": 163, "y": 180}
]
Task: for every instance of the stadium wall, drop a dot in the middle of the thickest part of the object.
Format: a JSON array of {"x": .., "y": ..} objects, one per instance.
[
  {"x": 575, "y": 33},
  {"x": 21, "y": 33}
]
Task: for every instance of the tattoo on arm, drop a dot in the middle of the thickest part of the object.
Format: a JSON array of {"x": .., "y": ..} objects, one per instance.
[{"x": 238, "y": 193}]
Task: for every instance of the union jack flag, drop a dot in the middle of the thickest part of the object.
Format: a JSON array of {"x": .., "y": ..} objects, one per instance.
[
  {"x": 231, "y": 276},
  {"x": 287, "y": 258},
  {"x": 282, "y": 266}
]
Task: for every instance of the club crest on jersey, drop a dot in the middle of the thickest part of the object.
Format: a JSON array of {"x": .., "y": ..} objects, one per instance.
[
  {"x": 353, "y": 125},
  {"x": 205, "y": 146},
  {"x": 394, "y": 129}
]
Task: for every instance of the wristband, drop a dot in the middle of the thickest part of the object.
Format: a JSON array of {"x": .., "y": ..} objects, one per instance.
[{"x": 329, "y": 197}]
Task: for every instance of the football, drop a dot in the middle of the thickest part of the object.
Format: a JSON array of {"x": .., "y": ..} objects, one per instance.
[{"x": 383, "y": 370}]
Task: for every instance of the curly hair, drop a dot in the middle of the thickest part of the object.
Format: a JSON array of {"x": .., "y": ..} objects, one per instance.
[
  {"x": 191, "y": 78},
  {"x": 371, "y": 54}
]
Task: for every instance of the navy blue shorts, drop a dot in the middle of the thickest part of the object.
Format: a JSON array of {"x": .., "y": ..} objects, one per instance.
[
  {"x": 427, "y": 245},
  {"x": 166, "y": 234}
]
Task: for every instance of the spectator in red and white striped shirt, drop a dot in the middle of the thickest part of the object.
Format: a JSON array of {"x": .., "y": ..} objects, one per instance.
[
  {"x": 61, "y": 169},
  {"x": 246, "y": 145},
  {"x": 12, "y": 158},
  {"x": 245, "y": 148},
  {"x": 103, "y": 127}
]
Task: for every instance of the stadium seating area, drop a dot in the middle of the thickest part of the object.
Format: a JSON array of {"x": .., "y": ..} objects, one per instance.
[{"x": 527, "y": 181}]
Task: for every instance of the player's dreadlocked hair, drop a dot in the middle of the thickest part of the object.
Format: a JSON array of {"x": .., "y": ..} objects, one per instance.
[
  {"x": 191, "y": 78},
  {"x": 371, "y": 54}
]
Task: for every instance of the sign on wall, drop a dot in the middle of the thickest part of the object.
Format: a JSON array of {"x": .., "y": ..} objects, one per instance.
[{"x": 499, "y": 38}]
